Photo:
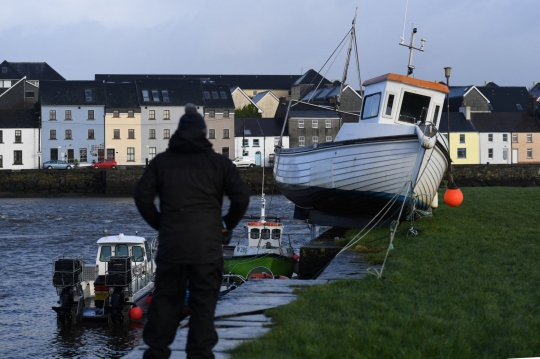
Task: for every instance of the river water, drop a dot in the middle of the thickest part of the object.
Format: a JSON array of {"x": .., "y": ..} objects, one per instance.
[{"x": 35, "y": 230}]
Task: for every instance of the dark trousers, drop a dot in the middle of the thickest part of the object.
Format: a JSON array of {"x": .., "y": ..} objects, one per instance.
[{"x": 165, "y": 310}]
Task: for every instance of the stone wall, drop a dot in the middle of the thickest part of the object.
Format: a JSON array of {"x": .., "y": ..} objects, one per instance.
[{"x": 121, "y": 182}]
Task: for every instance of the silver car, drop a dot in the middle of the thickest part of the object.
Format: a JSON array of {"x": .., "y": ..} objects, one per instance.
[{"x": 58, "y": 165}]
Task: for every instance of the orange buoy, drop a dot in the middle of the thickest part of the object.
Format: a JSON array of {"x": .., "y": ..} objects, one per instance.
[
  {"x": 453, "y": 196},
  {"x": 149, "y": 299},
  {"x": 295, "y": 257},
  {"x": 135, "y": 313}
]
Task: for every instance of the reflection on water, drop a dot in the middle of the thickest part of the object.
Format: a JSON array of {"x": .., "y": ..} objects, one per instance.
[{"x": 34, "y": 231}]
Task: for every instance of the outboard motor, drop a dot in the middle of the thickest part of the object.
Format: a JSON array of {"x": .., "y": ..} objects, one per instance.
[
  {"x": 66, "y": 303},
  {"x": 117, "y": 305},
  {"x": 67, "y": 276}
]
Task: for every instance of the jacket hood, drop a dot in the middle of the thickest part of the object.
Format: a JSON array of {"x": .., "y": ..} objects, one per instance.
[{"x": 189, "y": 141}]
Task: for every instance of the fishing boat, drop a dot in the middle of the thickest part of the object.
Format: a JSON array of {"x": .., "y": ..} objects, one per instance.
[
  {"x": 391, "y": 160},
  {"x": 113, "y": 289},
  {"x": 266, "y": 254}
]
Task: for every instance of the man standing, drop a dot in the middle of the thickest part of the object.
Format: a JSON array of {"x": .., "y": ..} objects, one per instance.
[{"x": 190, "y": 180}]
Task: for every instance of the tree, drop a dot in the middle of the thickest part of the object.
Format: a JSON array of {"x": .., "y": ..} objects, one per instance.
[{"x": 248, "y": 111}]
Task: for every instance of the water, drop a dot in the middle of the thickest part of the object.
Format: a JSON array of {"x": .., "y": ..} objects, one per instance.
[{"x": 34, "y": 231}]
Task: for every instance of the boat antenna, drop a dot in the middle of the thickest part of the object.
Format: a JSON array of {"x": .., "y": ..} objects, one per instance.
[
  {"x": 404, "y": 22},
  {"x": 410, "y": 67},
  {"x": 263, "y": 200}
]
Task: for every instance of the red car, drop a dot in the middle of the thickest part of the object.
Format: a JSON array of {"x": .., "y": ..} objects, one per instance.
[{"x": 108, "y": 163}]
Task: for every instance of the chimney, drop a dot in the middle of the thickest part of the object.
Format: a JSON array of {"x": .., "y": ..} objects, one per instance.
[
  {"x": 466, "y": 111},
  {"x": 532, "y": 104}
]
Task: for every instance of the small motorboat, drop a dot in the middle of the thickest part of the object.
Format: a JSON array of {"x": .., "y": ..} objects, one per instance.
[{"x": 114, "y": 289}]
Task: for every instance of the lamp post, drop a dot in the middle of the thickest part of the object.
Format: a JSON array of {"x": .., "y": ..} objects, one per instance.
[{"x": 447, "y": 71}]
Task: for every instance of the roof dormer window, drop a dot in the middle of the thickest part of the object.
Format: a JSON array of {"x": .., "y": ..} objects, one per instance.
[
  {"x": 4, "y": 70},
  {"x": 145, "y": 95},
  {"x": 519, "y": 107},
  {"x": 155, "y": 95},
  {"x": 223, "y": 95},
  {"x": 215, "y": 95},
  {"x": 206, "y": 94},
  {"x": 88, "y": 95},
  {"x": 165, "y": 95}
]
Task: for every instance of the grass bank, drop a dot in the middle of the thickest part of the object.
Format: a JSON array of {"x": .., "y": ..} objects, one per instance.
[{"x": 468, "y": 286}]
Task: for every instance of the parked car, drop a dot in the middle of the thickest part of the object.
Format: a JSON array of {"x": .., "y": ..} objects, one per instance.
[
  {"x": 58, "y": 165},
  {"x": 244, "y": 162},
  {"x": 108, "y": 163}
]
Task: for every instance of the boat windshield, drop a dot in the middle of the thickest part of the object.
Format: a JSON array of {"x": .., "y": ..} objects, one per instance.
[
  {"x": 121, "y": 250},
  {"x": 265, "y": 233},
  {"x": 105, "y": 254},
  {"x": 254, "y": 234},
  {"x": 138, "y": 254},
  {"x": 371, "y": 106},
  {"x": 276, "y": 233},
  {"x": 413, "y": 107}
]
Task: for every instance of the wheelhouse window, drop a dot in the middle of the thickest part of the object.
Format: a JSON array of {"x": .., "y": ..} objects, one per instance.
[
  {"x": 137, "y": 253},
  {"x": 371, "y": 106},
  {"x": 462, "y": 153},
  {"x": 105, "y": 254},
  {"x": 52, "y": 115},
  {"x": 121, "y": 250},
  {"x": 254, "y": 233},
  {"x": 265, "y": 233},
  {"x": 276, "y": 233},
  {"x": 18, "y": 136},
  {"x": 90, "y": 114},
  {"x": 389, "y": 105},
  {"x": 414, "y": 107},
  {"x": 436, "y": 114},
  {"x": 131, "y": 154}
]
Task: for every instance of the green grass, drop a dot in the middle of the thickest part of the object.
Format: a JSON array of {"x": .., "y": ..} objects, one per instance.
[{"x": 468, "y": 286}]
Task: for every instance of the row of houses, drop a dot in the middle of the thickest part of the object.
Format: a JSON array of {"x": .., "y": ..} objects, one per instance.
[{"x": 131, "y": 117}]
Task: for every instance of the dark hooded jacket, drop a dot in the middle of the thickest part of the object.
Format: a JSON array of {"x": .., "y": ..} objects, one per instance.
[{"x": 191, "y": 180}]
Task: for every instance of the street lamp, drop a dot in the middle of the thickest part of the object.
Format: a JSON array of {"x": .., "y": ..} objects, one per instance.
[{"x": 447, "y": 71}]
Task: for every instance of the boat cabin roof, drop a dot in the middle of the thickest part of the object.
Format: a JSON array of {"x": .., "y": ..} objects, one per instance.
[
  {"x": 121, "y": 238},
  {"x": 408, "y": 80}
]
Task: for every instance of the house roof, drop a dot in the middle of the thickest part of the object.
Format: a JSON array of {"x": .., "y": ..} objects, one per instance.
[
  {"x": 249, "y": 99},
  {"x": 258, "y": 127},
  {"x": 505, "y": 122},
  {"x": 121, "y": 96},
  {"x": 506, "y": 98},
  {"x": 306, "y": 111},
  {"x": 32, "y": 71},
  {"x": 219, "y": 95},
  {"x": 457, "y": 95},
  {"x": 71, "y": 93},
  {"x": 180, "y": 92},
  {"x": 311, "y": 77},
  {"x": 19, "y": 119},
  {"x": 535, "y": 90},
  {"x": 458, "y": 123},
  {"x": 270, "y": 82}
]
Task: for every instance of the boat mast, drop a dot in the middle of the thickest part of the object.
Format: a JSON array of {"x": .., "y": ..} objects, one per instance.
[{"x": 410, "y": 67}]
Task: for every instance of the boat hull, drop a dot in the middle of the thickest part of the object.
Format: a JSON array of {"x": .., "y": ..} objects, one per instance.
[
  {"x": 278, "y": 265},
  {"x": 358, "y": 178}
]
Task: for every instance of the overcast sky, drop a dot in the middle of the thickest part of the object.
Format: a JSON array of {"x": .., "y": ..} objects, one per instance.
[{"x": 482, "y": 40}]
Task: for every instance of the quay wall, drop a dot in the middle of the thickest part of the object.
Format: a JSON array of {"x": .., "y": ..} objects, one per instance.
[{"x": 121, "y": 182}]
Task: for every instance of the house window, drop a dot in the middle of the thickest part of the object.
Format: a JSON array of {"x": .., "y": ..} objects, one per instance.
[
  {"x": 131, "y": 134},
  {"x": 83, "y": 155},
  {"x": 462, "y": 138},
  {"x": 206, "y": 94},
  {"x": 301, "y": 141},
  {"x": 256, "y": 142},
  {"x": 300, "y": 123},
  {"x": 529, "y": 137},
  {"x": 328, "y": 123},
  {"x": 225, "y": 133},
  {"x": 88, "y": 95},
  {"x": 155, "y": 95},
  {"x": 1, "y": 136},
  {"x": 54, "y": 154},
  {"x": 514, "y": 137},
  {"x": 52, "y": 115},
  {"x": 314, "y": 123},
  {"x": 68, "y": 135},
  {"x": 91, "y": 134},
  {"x": 529, "y": 153},
  {"x": 328, "y": 138},
  {"x": 18, "y": 136},
  {"x": 68, "y": 115},
  {"x": 116, "y": 134},
  {"x": 211, "y": 133},
  {"x": 146, "y": 96},
  {"x": 52, "y": 135},
  {"x": 505, "y": 137},
  {"x": 116, "y": 113},
  {"x": 131, "y": 113},
  {"x": 245, "y": 152},
  {"x": 110, "y": 153},
  {"x": 166, "y": 133},
  {"x": 315, "y": 139},
  {"x": 152, "y": 134},
  {"x": 165, "y": 95},
  {"x": 90, "y": 114},
  {"x": 131, "y": 154},
  {"x": 490, "y": 152},
  {"x": 152, "y": 114},
  {"x": 225, "y": 113},
  {"x": 225, "y": 151},
  {"x": 17, "y": 157},
  {"x": 461, "y": 153},
  {"x": 505, "y": 155},
  {"x": 223, "y": 95},
  {"x": 151, "y": 152},
  {"x": 245, "y": 142},
  {"x": 212, "y": 113},
  {"x": 490, "y": 137},
  {"x": 1, "y": 162},
  {"x": 29, "y": 94},
  {"x": 166, "y": 114}
]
